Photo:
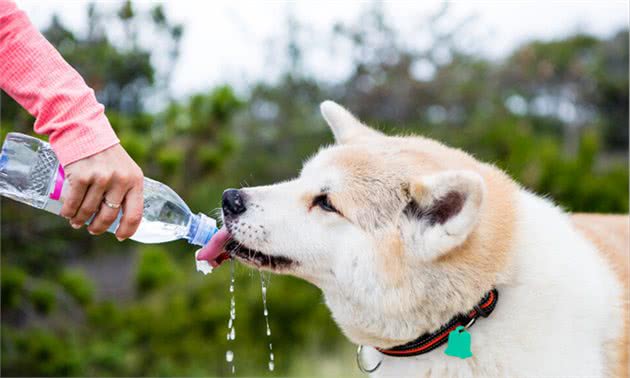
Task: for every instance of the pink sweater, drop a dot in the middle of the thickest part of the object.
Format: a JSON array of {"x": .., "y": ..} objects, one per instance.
[{"x": 39, "y": 79}]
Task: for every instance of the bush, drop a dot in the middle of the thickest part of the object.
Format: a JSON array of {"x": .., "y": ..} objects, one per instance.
[
  {"x": 155, "y": 269},
  {"x": 38, "y": 353},
  {"x": 43, "y": 298},
  {"x": 77, "y": 285},
  {"x": 12, "y": 284}
]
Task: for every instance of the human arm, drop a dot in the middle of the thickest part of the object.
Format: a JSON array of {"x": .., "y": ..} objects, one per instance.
[{"x": 66, "y": 109}]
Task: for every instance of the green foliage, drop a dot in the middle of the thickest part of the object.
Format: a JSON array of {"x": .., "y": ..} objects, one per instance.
[
  {"x": 170, "y": 158},
  {"x": 43, "y": 298},
  {"x": 77, "y": 285},
  {"x": 39, "y": 352},
  {"x": 12, "y": 284},
  {"x": 155, "y": 268},
  {"x": 224, "y": 103}
]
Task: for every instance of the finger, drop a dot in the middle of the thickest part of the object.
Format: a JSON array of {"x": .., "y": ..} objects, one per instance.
[
  {"x": 90, "y": 205},
  {"x": 73, "y": 200},
  {"x": 107, "y": 215},
  {"x": 133, "y": 205}
]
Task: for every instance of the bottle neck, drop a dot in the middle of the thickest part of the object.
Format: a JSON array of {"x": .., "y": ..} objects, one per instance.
[{"x": 201, "y": 229}]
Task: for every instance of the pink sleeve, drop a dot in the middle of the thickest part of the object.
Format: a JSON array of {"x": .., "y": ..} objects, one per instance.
[{"x": 39, "y": 79}]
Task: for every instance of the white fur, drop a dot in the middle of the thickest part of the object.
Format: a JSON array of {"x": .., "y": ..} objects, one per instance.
[
  {"x": 557, "y": 305},
  {"x": 554, "y": 314}
]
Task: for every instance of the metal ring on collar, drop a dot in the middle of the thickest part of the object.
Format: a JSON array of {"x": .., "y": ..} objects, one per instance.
[
  {"x": 360, "y": 363},
  {"x": 471, "y": 322}
]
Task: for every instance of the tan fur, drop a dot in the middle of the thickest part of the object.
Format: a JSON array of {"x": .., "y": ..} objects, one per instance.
[
  {"x": 404, "y": 162},
  {"x": 495, "y": 232},
  {"x": 307, "y": 199},
  {"x": 484, "y": 254},
  {"x": 392, "y": 258},
  {"x": 611, "y": 235}
]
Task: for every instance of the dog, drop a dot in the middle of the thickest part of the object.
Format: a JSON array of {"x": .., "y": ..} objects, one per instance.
[{"x": 406, "y": 236}]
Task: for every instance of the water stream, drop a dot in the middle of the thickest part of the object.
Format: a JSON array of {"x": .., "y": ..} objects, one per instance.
[
  {"x": 231, "y": 334},
  {"x": 263, "y": 288}
]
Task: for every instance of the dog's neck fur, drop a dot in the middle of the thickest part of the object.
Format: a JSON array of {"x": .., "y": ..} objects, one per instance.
[
  {"x": 519, "y": 334},
  {"x": 419, "y": 298}
]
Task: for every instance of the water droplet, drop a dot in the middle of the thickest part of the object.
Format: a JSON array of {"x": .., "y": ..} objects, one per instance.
[
  {"x": 265, "y": 312},
  {"x": 231, "y": 335},
  {"x": 271, "y": 366},
  {"x": 264, "y": 290},
  {"x": 271, "y": 356},
  {"x": 268, "y": 331}
]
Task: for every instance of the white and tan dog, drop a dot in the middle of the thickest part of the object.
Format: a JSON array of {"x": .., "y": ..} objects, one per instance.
[{"x": 403, "y": 233}]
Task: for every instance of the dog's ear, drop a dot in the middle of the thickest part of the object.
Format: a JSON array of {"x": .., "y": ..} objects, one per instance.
[
  {"x": 345, "y": 127},
  {"x": 442, "y": 212}
]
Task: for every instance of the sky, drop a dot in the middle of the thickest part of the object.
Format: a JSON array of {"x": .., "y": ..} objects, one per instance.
[{"x": 233, "y": 41}]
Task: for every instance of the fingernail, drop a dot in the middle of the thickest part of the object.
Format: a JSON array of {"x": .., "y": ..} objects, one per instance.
[
  {"x": 120, "y": 239},
  {"x": 76, "y": 226},
  {"x": 91, "y": 232}
]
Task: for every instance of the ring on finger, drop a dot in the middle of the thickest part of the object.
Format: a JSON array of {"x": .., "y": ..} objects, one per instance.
[{"x": 111, "y": 205}]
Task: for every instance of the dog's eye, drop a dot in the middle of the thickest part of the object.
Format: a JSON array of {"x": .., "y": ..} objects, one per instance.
[{"x": 324, "y": 203}]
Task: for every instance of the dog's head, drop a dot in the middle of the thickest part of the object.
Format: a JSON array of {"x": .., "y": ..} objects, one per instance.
[{"x": 400, "y": 233}]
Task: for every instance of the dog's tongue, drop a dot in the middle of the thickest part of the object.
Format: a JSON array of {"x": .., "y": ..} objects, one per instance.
[{"x": 213, "y": 251}]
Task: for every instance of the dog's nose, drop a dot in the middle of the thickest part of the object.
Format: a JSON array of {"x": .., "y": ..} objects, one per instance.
[{"x": 233, "y": 202}]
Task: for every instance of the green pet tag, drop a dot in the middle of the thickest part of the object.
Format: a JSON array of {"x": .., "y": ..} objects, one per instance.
[{"x": 459, "y": 343}]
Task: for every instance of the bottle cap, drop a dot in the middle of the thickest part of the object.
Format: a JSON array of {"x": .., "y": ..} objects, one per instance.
[{"x": 202, "y": 229}]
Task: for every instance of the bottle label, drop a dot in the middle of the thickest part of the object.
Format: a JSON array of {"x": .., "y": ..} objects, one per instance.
[{"x": 55, "y": 194}]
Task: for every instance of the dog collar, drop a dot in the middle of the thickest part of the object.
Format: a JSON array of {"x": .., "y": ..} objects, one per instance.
[{"x": 429, "y": 341}]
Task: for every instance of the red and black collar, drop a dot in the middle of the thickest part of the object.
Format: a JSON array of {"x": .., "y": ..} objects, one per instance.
[{"x": 430, "y": 341}]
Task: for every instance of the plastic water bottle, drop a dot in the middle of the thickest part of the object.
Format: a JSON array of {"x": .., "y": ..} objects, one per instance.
[{"x": 30, "y": 173}]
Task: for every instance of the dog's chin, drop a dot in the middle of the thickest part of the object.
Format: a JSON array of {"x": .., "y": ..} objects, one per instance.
[{"x": 258, "y": 259}]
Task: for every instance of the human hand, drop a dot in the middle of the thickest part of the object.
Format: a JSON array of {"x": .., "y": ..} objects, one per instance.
[{"x": 101, "y": 184}]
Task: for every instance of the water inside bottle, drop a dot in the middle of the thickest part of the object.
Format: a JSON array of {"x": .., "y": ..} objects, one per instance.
[
  {"x": 149, "y": 231},
  {"x": 165, "y": 215},
  {"x": 157, "y": 232}
]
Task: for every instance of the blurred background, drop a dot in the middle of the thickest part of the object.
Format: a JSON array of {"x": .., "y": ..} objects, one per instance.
[{"x": 210, "y": 95}]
